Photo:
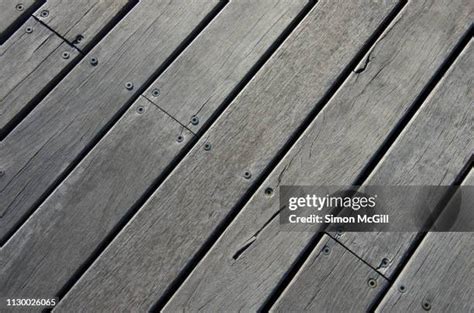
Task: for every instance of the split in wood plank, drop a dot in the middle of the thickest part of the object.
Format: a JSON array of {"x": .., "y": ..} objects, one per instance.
[
  {"x": 29, "y": 61},
  {"x": 79, "y": 22},
  {"x": 99, "y": 194},
  {"x": 332, "y": 151},
  {"x": 174, "y": 223},
  {"x": 78, "y": 111},
  {"x": 320, "y": 285},
  {"x": 448, "y": 118}
]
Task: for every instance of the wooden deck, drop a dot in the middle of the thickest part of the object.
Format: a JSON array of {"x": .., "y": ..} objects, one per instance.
[{"x": 143, "y": 144}]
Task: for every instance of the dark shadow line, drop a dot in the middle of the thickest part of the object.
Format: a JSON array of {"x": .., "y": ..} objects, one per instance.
[
  {"x": 18, "y": 23},
  {"x": 124, "y": 220}
]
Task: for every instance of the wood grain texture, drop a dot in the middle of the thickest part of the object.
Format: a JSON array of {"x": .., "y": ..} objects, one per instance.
[
  {"x": 200, "y": 79},
  {"x": 448, "y": 116},
  {"x": 333, "y": 151},
  {"x": 29, "y": 60},
  {"x": 439, "y": 274},
  {"x": 322, "y": 283},
  {"x": 449, "y": 256},
  {"x": 73, "y": 114},
  {"x": 71, "y": 19},
  {"x": 99, "y": 188},
  {"x": 134, "y": 271},
  {"x": 63, "y": 233},
  {"x": 10, "y": 12}
]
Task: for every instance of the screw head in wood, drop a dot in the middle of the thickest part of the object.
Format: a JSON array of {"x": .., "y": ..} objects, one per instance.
[
  {"x": 155, "y": 92},
  {"x": 426, "y": 305},
  {"x": 140, "y": 110},
  {"x": 66, "y": 55},
  {"x": 29, "y": 30},
  {"x": 247, "y": 175},
  {"x": 207, "y": 146},
  {"x": 268, "y": 191},
  {"x": 402, "y": 288},
  {"x": 20, "y": 7},
  {"x": 180, "y": 138},
  {"x": 385, "y": 262},
  {"x": 44, "y": 13},
  {"x": 78, "y": 39},
  {"x": 372, "y": 283},
  {"x": 94, "y": 61},
  {"x": 326, "y": 250},
  {"x": 129, "y": 85},
  {"x": 194, "y": 120}
]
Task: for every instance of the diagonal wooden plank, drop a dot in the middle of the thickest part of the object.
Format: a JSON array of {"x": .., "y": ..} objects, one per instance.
[
  {"x": 10, "y": 11},
  {"x": 448, "y": 117},
  {"x": 61, "y": 235},
  {"x": 66, "y": 123},
  {"x": 447, "y": 255},
  {"x": 320, "y": 285},
  {"x": 138, "y": 266},
  {"x": 97, "y": 196},
  {"x": 29, "y": 61},
  {"x": 79, "y": 21},
  {"x": 438, "y": 278},
  {"x": 253, "y": 255},
  {"x": 180, "y": 90}
]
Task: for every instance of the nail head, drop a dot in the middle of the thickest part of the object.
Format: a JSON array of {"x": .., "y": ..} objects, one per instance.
[
  {"x": 94, "y": 61},
  {"x": 372, "y": 283},
  {"x": 326, "y": 250},
  {"x": 194, "y": 120},
  {"x": 44, "y": 13},
  {"x": 426, "y": 305},
  {"x": 247, "y": 175},
  {"x": 29, "y": 30},
  {"x": 180, "y": 138},
  {"x": 129, "y": 85},
  {"x": 155, "y": 92},
  {"x": 20, "y": 7},
  {"x": 65, "y": 55},
  {"x": 140, "y": 110},
  {"x": 207, "y": 146},
  {"x": 269, "y": 191}
]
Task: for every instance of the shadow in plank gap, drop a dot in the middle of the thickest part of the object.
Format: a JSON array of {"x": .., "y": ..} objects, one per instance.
[
  {"x": 35, "y": 162},
  {"x": 13, "y": 14}
]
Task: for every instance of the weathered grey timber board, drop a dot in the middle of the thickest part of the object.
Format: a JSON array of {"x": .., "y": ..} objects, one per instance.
[
  {"x": 148, "y": 254},
  {"x": 100, "y": 191},
  {"x": 10, "y": 11},
  {"x": 29, "y": 60},
  {"x": 72, "y": 18},
  {"x": 182, "y": 92},
  {"x": 439, "y": 275},
  {"x": 45, "y": 143},
  {"x": 40, "y": 258},
  {"x": 333, "y": 151},
  {"x": 320, "y": 285},
  {"x": 447, "y": 116}
]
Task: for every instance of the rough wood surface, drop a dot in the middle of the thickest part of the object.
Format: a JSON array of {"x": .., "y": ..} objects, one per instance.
[
  {"x": 199, "y": 80},
  {"x": 333, "y": 151},
  {"x": 425, "y": 163},
  {"x": 11, "y": 10},
  {"x": 85, "y": 19},
  {"x": 321, "y": 284},
  {"x": 62, "y": 234},
  {"x": 159, "y": 241},
  {"x": 29, "y": 61},
  {"x": 439, "y": 275},
  {"x": 73, "y": 114},
  {"x": 100, "y": 191}
]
